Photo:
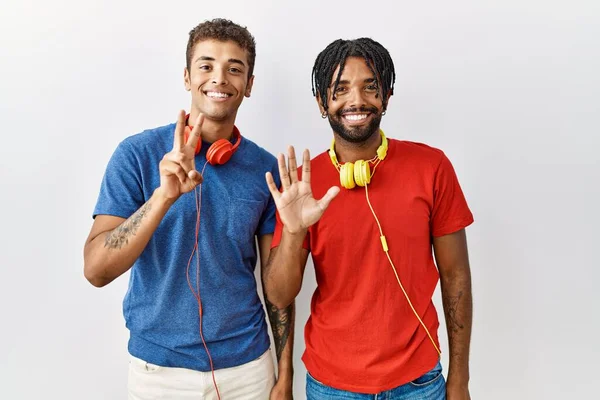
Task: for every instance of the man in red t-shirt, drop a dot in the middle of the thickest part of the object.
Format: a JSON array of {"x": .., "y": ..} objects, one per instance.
[{"x": 373, "y": 325}]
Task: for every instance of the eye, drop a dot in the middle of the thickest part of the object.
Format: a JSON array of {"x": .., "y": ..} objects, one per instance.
[
  {"x": 204, "y": 67},
  {"x": 235, "y": 70},
  {"x": 372, "y": 88},
  {"x": 340, "y": 89}
]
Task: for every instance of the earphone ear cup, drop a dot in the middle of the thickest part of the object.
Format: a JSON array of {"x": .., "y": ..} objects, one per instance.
[
  {"x": 219, "y": 152},
  {"x": 186, "y": 134},
  {"x": 362, "y": 173},
  {"x": 347, "y": 175}
]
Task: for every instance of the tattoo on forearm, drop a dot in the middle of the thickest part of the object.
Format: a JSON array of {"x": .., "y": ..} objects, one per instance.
[
  {"x": 451, "y": 306},
  {"x": 119, "y": 237},
  {"x": 282, "y": 324}
]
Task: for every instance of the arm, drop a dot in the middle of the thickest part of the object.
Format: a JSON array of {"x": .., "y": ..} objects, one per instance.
[
  {"x": 114, "y": 243},
  {"x": 282, "y": 326},
  {"x": 282, "y": 276},
  {"x": 455, "y": 275},
  {"x": 298, "y": 210}
]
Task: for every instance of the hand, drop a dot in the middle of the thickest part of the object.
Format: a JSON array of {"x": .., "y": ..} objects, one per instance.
[
  {"x": 281, "y": 391},
  {"x": 457, "y": 392},
  {"x": 178, "y": 173},
  {"x": 296, "y": 205}
]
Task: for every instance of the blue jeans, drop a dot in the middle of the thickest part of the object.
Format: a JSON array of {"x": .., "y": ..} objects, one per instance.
[{"x": 430, "y": 386}]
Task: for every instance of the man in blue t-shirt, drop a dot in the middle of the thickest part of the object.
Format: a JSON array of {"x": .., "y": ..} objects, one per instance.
[{"x": 181, "y": 205}]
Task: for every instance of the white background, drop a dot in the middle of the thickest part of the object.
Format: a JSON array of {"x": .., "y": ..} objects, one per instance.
[{"x": 508, "y": 89}]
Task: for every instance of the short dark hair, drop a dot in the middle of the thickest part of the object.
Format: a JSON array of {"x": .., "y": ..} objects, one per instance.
[
  {"x": 222, "y": 30},
  {"x": 376, "y": 56}
]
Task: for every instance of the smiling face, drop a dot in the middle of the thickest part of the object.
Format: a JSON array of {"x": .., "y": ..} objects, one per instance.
[
  {"x": 355, "y": 109},
  {"x": 218, "y": 79}
]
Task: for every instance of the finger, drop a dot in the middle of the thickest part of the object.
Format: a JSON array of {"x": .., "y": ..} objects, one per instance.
[
  {"x": 179, "y": 128},
  {"x": 292, "y": 166},
  {"x": 169, "y": 168},
  {"x": 283, "y": 172},
  {"x": 330, "y": 195},
  {"x": 196, "y": 177},
  {"x": 196, "y": 132},
  {"x": 179, "y": 158},
  {"x": 272, "y": 186},
  {"x": 306, "y": 166}
]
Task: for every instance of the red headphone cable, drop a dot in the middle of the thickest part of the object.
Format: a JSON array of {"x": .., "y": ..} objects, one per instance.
[{"x": 198, "y": 198}]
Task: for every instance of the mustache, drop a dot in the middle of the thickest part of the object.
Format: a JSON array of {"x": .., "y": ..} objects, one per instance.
[{"x": 372, "y": 110}]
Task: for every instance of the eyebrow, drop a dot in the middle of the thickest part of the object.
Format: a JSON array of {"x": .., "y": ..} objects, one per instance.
[
  {"x": 236, "y": 61},
  {"x": 347, "y": 82},
  {"x": 231, "y": 60}
]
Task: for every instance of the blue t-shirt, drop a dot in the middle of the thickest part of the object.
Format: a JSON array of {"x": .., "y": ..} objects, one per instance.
[{"x": 160, "y": 310}]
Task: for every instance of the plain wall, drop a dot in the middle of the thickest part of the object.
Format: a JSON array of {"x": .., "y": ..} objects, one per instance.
[{"x": 508, "y": 89}]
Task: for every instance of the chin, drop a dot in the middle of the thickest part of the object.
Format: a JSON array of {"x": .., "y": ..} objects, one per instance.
[
  {"x": 216, "y": 115},
  {"x": 355, "y": 134},
  {"x": 355, "y": 137}
]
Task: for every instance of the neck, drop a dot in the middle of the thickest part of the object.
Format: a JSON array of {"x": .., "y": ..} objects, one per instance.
[
  {"x": 213, "y": 130},
  {"x": 350, "y": 152}
]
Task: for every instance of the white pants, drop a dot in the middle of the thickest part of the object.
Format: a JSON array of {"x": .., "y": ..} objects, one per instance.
[{"x": 250, "y": 381}]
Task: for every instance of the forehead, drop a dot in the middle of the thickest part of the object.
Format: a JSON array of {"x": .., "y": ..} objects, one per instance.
[
  {"x": 355, "y": 70},
  {"x": 219, "y": 50}
]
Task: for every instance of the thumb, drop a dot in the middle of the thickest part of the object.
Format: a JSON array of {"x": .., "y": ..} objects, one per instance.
[{"x": 330, "y": 195}]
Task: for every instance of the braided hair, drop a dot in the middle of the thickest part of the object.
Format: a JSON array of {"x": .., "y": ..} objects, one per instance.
[{"x": 377, "y": 57}]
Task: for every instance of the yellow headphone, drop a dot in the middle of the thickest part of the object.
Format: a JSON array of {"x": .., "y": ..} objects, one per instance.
[{"x": 359, "y": 172}]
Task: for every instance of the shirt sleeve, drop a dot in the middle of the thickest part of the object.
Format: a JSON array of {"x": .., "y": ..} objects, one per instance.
[
  {"x": 267, "y": 223},
  {"x": 450, "y": 210},
  {"x": 121, "y": 192}
]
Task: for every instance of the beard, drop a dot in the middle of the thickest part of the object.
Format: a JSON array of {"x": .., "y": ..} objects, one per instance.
[{"x": 355, "y": 134}]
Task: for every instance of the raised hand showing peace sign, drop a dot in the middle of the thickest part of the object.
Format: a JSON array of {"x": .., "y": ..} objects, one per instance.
[{"x": 178, "y": 174}]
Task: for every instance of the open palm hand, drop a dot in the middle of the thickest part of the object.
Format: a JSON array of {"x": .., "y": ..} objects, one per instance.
[{"x": 297, "y": 207}]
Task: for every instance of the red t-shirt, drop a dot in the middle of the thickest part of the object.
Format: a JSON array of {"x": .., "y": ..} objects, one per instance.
[{"x": 362, "y": 335}]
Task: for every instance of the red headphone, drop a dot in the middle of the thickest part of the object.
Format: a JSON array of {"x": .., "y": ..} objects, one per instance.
[{"x": 220, "y": 151}]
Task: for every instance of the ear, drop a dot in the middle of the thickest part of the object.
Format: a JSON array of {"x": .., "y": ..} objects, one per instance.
[
  {"x": 320, "y": 103},
  {"x": 186, "y": 79},
  {"x": 387, "y": 100},
  {"x": 249, "y": 86}
]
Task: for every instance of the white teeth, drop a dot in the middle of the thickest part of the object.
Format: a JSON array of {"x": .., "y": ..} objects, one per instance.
[
  {"x": 355, "y": 117},
  {"x": 217, "y": 94}
]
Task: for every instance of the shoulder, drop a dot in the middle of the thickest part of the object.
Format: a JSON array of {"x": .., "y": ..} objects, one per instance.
[
  {"x": 320, "y": 160},
  {"x": 416, "y": 150},
  {"x": 145, "y": 148},
  {"x": 150, "y": 139},
  {"x": 253, "y": 151},
  {"x": 420, "y": 155}
]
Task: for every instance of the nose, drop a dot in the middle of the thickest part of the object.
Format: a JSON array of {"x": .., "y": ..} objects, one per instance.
[
  {"x": 356, "y": 98},
  {"x": 219, "y": 77}
]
